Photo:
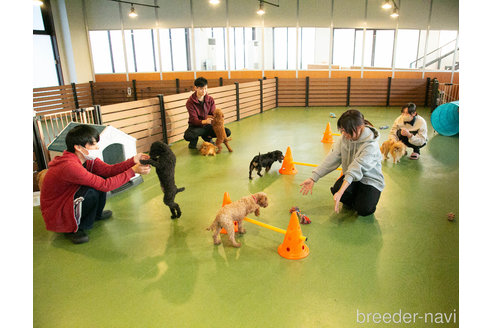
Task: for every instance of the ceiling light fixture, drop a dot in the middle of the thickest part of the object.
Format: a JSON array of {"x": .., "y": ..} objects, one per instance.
[
  {"x": 132, "y": 13},
  {"x": 37, "y": 2},
  {"x": 261, "y": 9},
  {"x": 395, "y": 13},
  {"x": 214, "y": 2},
  {"x": 386, "y": 4}
]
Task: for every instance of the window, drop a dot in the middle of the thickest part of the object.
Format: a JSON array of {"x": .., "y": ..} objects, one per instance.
[
  {"x": 314, "y": 47},
  {"x": 440, "y": 50},
  {"x": 165, "y": 43},
  {"x": 343, "y": 47},
  {"x": 101, "y": 51},
  {"x": 238, "y": 53},
  {"x": 378, "y": 48},
  {"x": 210, "y": 49},
  {"x": 180, "y": 49},
  {"x": 140, "y": 50},
  {"x": 46, "y": 64},
  {"x": 280, "y": 48},
  {"x": 407, "y": 47}
]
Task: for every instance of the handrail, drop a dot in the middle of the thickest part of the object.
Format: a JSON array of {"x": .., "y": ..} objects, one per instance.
[{"x": 416, "y": 61}]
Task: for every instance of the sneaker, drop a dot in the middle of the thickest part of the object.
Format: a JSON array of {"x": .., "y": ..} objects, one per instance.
[
  {"x": 105, "y": 215},
  {"x": 78, "y": 237},
  {"x": 414, "y": 156}
]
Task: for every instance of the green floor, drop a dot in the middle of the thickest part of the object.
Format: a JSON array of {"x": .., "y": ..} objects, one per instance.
[{"x": 142, "y": 269}]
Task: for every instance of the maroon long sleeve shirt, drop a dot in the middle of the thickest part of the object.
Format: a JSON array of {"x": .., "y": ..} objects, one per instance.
[{"x": 199, "y": 111}]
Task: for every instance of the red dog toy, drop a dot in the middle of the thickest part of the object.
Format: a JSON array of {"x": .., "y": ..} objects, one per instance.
[{"x": 302, "y": 218}]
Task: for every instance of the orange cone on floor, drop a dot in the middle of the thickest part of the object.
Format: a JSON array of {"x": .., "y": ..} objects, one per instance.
[
  {"x": 328, "y": 136},
  {"x": 288, "y": 164},
  {"x": 293, "y": 247},
  {"x": 227, "y": 200}
]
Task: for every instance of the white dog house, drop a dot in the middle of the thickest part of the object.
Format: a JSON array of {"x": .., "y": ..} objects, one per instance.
[{"x": 115, "y": 146}]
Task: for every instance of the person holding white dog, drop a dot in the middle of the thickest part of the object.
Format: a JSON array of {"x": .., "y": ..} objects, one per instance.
[{"x": 410, "y": 128}]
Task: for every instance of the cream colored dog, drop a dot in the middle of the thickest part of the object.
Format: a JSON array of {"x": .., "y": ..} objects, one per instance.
[{"x": 237, "y": 211}]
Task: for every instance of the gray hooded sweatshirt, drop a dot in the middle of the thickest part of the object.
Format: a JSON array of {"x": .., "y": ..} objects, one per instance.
[{"x": 360, "y": 159}]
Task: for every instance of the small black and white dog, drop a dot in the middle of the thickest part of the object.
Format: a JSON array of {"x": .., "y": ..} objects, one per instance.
[
  {"x": 164, "y": 160},
  {"x": 264, "y": 161}
]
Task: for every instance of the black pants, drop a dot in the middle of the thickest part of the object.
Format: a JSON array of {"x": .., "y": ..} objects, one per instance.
[
  {"x": 92, "y": 206},
  {"x": 361, "y": 197},
  {"x": 206, "y": 132},
  {"x": 404, "y": 139}
]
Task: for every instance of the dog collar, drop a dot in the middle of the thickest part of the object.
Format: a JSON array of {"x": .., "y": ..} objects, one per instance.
[{"x": 254, "y": 198}]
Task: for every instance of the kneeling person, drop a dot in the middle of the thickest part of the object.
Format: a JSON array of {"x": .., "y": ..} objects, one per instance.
[{"x": 74, "y": 189}]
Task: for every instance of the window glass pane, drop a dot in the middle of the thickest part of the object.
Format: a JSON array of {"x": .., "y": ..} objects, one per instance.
[
  {"x": 166, "y": 59},
  {"x": 280, "y": 48},
  {"x": 343, "y": 47},
  {"x": 44, "y": 69},
  {"x": 253, "y": 48},
  {"x": 406, "y": 48},
  {"x": 209, "y": 49},
  {"x": 440, "y": 49},
  {"x": 118, "y": 51},
  {"x": 314, "y": 47},
  {"x": 144, "y": 50},
  {"x": 37, "y": 17},
  {"x": 180, "y": 55},
  {"x": 130, "y": 58},
  {"x": 368, "y": 48},
  {"x": 101, "y": 55},
  {"x": 268, "y": 48},
  {"x": 237, "y": 46},
  {"x": 291, "y": 48},
  {"x": 383, "y": 52}
]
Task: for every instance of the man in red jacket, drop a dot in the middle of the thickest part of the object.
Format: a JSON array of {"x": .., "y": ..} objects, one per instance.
[
  {"x": 201, "y": 108},
  {"x": 74, "y": 189}
]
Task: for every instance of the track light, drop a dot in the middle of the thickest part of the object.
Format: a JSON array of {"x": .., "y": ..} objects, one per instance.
[
  {"x": 214, "y": 2},
  {"x": 37, "y": 2},
  {"x": 395, "y": 13},
  {"x": 132, "y": 13},
  {"x": 261, "y": 11},
  {"x": 386, "y": 4}
]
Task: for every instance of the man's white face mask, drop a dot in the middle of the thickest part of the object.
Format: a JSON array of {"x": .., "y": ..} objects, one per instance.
[
  {"x": 92, "y": 154},
  {"x": 407, "y": 117}
]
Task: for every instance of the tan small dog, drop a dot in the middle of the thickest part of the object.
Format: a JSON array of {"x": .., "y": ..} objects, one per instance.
[
  {"x": 237, "y": 211},
  {"x": 218, "y": 126},
  {"x": 386, "y": 147},
  {"x": 398, "y": 150},
  {"x": 40, "y": 177},
  {"x": 208, "y": 148}
]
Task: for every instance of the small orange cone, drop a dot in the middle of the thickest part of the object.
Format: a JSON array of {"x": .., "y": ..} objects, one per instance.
[
  {"x": 328, "y": 136},
  {"x": 227, "y": 200},
  {"x": 293, "y": 247},
  {"x": 288, "y": 164}
]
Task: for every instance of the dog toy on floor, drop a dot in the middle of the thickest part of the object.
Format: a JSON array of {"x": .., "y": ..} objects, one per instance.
[
  {"x": 332, "y": 115},
  {"x": 302, "y": 218}
]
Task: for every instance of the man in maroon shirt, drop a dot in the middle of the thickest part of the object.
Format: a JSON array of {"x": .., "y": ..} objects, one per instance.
[{"x": 201, "y": 108}]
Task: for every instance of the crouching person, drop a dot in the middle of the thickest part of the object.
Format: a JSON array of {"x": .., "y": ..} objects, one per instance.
[{"x": 73, "y": 193}]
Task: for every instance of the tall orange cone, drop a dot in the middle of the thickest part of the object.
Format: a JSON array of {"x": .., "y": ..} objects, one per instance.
[
  {"x": 227, "y": 200},
  {"x": 293, "y": 247},
  {"x": 328, "y": 136},
  {"x": 288, "y": 166}
]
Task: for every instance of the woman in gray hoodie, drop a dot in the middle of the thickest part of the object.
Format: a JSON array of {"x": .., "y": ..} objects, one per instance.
[{"x": 358, "y": 152}]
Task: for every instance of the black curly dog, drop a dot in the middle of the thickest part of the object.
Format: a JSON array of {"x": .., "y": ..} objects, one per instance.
[
  {"x": 164, "y": 160},
  {"x": 264, "y": 161}
]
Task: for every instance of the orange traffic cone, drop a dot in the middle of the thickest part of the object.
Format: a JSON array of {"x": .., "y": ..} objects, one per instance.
[
  {"x": 328, "y": 136},
  {"x": 293, "y": 247},
  {"x": 288, "y": 164},
  {"x": 227, "y": 200}
]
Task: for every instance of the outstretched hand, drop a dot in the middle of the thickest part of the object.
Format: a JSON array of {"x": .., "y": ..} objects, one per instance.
[
  {"x": 140, "y": 156},
  {"x": 307, "y": 186}
]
